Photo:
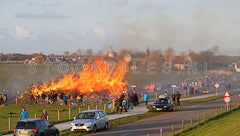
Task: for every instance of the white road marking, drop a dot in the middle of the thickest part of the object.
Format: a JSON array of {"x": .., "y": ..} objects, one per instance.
[
  {"x": 126, "y": 134},
  {"x": 165, "y": 121},
  {"x": 195, "y": 105}
]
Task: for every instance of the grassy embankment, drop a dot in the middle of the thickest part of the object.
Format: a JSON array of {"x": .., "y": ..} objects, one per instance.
[{"x": 226, "y": 124}]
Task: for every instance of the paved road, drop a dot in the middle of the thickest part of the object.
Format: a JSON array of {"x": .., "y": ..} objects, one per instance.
[
  {"x": 139, "y": 110},
  {"x": 165, "y": 121}
]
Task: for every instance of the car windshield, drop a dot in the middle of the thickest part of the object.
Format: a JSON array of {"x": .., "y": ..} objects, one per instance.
[
  {"x": 25, "y": 125},
  {"x": 86, "y": 115},
  {"x": 161, "y": 101}
]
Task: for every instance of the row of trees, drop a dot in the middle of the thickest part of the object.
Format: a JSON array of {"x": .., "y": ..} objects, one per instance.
[{"x": 157, "y": 56}]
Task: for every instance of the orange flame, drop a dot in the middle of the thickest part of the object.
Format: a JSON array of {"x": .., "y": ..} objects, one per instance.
[
  {"x": 95, "y": 77},
  {"x": 151, "y": 87}
]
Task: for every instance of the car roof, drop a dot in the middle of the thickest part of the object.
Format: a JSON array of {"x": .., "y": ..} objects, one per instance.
[
  {"x": 92, "y": 110},
  {"x": 30, "y": 120}
]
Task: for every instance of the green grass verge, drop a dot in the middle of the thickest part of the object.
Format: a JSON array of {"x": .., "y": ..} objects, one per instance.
[
  {"x": 226, "y": 124},
  {"x": 121, "y": 121},
  {"x": 211, "y": 98}
]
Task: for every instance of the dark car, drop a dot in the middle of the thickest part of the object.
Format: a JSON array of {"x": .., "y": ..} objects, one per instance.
[
  {"x": 163, "y": 104},
  {"x": 35, "y": 127}
]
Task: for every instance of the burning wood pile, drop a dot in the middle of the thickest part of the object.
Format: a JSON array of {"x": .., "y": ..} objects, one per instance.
[{"x": 98, "y": 75}]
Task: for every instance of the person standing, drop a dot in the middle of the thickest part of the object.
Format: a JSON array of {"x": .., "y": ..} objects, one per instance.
[
  {"x": 24, "y": 114},
  {"x": 128, "y": 100},
  {"x": 37, "y": 96},
  {"x": 145, "y": 98},
  {"x": 68, "y": 98},
  {"x": 173, "y": 98},
  {"x": 178, "y": 98},
  {"x": 81, "y": 99},
  {"x": 43, "y": 96},
  {"x": 44, "y": 115}
]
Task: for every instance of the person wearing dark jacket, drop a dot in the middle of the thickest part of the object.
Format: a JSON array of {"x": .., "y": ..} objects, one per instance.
[
  {"x": 43, "y": 96},
  {"x": 178, "y": 95}
]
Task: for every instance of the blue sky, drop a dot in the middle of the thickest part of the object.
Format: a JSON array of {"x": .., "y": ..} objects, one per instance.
[{"x": 54, "y": 26}]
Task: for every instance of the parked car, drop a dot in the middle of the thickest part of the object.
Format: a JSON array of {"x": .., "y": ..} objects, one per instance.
[
  {"x": 163, "y": 104},
  {"x": 35, "y": 127},
  {"x": 90, "y": 120}
]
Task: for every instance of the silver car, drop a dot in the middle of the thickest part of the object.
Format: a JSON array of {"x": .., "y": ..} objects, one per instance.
[{"x": 90, "y": 120}]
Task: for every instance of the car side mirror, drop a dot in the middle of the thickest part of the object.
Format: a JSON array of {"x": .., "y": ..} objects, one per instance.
[
  {"x": 51, "y": 125},
  {"x": 98, "y": 118},
  {"x": 74, "y": 118}
]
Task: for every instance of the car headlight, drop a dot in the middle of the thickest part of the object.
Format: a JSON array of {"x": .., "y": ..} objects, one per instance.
[
  {"x": 88, "y": 124},
  {"x": 165, "y": 106},
  {"x": 154, "y": 106}
]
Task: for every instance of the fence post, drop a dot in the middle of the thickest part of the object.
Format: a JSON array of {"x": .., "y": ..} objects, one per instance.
[
  {"x": 58, "y": 115},
  {"x": 216, "y": 111},
  {"x": 237, "y": 103},
  {"x": 211, "y": 114},
  {"x": 225, "y": 107},
  {"x": 229, "y": 106},
  {"x": 221, "y": 109},
  {"x": 16, "y": 101},
  {"x": 156, "y": 96},
  {"x": 183, "y": 125},
  {"x": 191, "y": 122},
  {"x": 88, "y": 107},
  {"x": 204, "y": 116},
  {"x": 113, "y": 107},
  {"x": 161, "y": 132},
  {"x": 47, "y": 117},
  {"x": 79, "y": 110},
  {"x": 104, "y": 108},
  {"x": 69, "y": 113},
  {"x": 35, "y": 115},
  {"x": 172, "y": 130},
  {"x": 198, "y": 119},
  {"x": 96, "y": 107},
  {"x": 9, "y": 123}
]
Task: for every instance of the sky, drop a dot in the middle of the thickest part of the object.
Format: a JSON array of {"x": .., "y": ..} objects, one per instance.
[{"x": 55, "y": 26}]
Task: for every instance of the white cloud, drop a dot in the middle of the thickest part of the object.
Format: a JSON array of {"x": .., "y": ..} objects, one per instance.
[
  {"x": 100, "y": 33},
  {"x": 2, "y": 36},
  {"x": 21, "y": 33},
  {"x": 45, "y": 15}
]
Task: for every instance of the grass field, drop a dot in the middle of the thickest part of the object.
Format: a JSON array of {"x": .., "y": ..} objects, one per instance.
[
  {"x": 226, "y": 124},
  {"x": 13, "y": 112}
]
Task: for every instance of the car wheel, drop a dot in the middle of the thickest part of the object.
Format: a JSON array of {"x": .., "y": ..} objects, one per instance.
[
  {"x": 41, "y": 134},
  {"x": 57, "y": 133},
  {"x": 106, "y": 126},
  {"x": 169, "y": 109},
  {"x": 94, "y": 129}
]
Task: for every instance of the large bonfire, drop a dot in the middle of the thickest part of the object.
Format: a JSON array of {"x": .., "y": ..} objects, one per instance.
[{"x": 96, "y": 76}]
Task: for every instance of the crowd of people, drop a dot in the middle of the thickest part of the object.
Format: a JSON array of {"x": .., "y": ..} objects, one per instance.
[{"x": 56, "y": 98}]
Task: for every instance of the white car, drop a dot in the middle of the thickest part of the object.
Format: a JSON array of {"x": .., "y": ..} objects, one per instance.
[{"x": 90, "y": 120}]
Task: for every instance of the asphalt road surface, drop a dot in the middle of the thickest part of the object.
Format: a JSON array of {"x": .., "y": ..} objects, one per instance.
[{"x": 153, "y": 125}]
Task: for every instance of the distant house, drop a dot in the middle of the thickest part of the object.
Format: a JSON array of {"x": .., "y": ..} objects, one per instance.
[
  {"x": 237, "y": 66},
  {"x": 181, "y": 62}
]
